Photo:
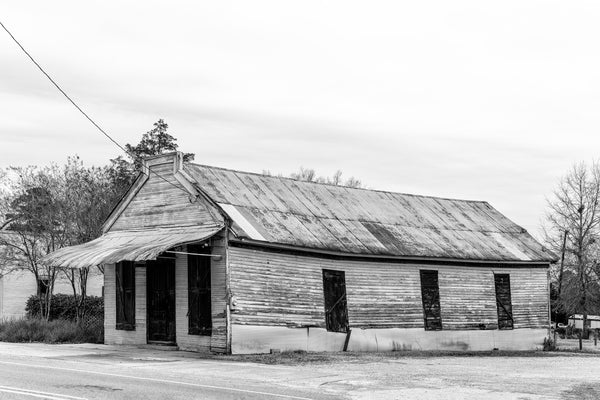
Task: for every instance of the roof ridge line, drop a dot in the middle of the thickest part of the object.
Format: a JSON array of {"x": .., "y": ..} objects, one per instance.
[{"x": 338, "y": 186}]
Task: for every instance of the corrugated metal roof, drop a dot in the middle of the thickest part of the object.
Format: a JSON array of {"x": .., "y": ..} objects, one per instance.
[
  {"x": 360, "y": 221},
  {"x": 140, "y": 245}
]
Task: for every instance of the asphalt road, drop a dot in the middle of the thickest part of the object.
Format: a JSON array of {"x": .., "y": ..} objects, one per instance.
[
  {"x": 75, "y": 372},
  {"x": 140, "y": 375}
]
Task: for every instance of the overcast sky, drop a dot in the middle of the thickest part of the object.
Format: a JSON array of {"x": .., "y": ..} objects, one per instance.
[{"x": 469, "y": 99}]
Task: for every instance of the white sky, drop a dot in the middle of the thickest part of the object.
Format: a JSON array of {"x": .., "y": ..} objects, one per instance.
[{"x": 469, "y": 99}]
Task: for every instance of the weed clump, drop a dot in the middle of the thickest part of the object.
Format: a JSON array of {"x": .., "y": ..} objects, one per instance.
[{"x": 56, "y": 331}]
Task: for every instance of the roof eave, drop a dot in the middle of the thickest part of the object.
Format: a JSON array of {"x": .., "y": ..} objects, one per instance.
[{"x": 380, "y": 257}]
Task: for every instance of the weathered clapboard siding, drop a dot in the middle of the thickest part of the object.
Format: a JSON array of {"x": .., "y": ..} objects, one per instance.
[
  {"x": 160, "y": 204},
  {"x": 468, "y": 297},
  {"x": 184, "y": 340},
  {"x": 529, "y": 292},
  {"x": 111, "y": 334},
  {"x": 217, "y": 342},
  {"x": 282, "y": 289}
]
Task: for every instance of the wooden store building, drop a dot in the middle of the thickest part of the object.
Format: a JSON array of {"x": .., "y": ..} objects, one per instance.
[{"x": 211, "y": 259}]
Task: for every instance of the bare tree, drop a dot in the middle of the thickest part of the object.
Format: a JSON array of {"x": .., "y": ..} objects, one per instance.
[
  {"x": 310, "y": 175},
  {"x": 32, "y": 216},
  {"x": 46, "y": 208},
  {"x": 574, "y": 209}
]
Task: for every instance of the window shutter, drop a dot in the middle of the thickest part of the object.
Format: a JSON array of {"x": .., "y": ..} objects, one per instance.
[
  {"x": 430, "y": 293},
  {"x": 199, "y": 292},
  {"x": 125, "y": 285},
  {"x": 336, "y": 305},
  {"x": 503, "y": 301}
]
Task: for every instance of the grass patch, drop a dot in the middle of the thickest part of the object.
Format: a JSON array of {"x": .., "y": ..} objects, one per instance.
[
  {"x": 307, "y": 358},
  {"x": 57, "y": 331}
]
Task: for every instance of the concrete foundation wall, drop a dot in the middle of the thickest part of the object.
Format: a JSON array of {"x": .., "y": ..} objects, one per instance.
[{"x": 248, "y": 339}]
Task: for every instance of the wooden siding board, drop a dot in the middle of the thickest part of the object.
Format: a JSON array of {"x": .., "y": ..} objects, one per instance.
[
  {"x": 185, "y": 341},
  {"x": 117, "y": 336},
  {"x": 380, "y": 294},
  {"x": 219, "y": 292},
  {"x": 159, "y": 204}
]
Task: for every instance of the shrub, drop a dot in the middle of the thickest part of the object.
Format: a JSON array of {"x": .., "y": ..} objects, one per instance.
[
  {"x": 549, "y": 344},
  {"x": 56, "y": 331},
  {"x": 62, "y": 325},
  {"x": 64, "y": 307}
]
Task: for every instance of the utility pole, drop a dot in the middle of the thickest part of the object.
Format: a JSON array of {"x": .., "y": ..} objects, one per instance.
[
  {"x": 560, "y": 275},
  {"x": 562, "y": 263}
]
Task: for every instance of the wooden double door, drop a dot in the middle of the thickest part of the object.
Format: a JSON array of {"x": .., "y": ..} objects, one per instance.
[{"x": 160, "y": 283}]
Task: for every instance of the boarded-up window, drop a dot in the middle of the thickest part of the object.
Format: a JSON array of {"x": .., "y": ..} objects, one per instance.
[
  {"x": 125, "y": 283},
  {"x": 336, "y": 307},
  {"x": 199, "y": 297},
  {"x": 503, "y": 301},
  {"x": 430, "y": 293}
]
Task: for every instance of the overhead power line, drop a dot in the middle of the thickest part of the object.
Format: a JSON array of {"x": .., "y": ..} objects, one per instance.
[{"x": 83, "y": 112}]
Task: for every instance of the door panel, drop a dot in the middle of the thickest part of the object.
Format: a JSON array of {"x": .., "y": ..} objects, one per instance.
[{"x": 160, "y": 279}]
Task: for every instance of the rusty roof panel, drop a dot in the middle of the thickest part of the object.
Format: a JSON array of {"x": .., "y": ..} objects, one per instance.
[
  {"x": 361, "y": 221},
  {"x": 366, "y": 238},
  {"x": 138, "y": 245},
  {"x": 327, "y": 238}
]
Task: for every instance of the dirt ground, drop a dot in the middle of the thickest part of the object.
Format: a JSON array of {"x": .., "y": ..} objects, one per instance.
[
  {"x": 357, "y": 376},
  {"x": 481, "y": 375}
]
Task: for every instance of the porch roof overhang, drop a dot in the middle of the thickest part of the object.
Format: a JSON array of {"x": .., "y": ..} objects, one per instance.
[{"x": 130, "y": 245}]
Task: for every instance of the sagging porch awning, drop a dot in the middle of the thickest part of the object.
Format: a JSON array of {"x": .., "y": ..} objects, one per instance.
[{"x": 131, "y": 245}]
